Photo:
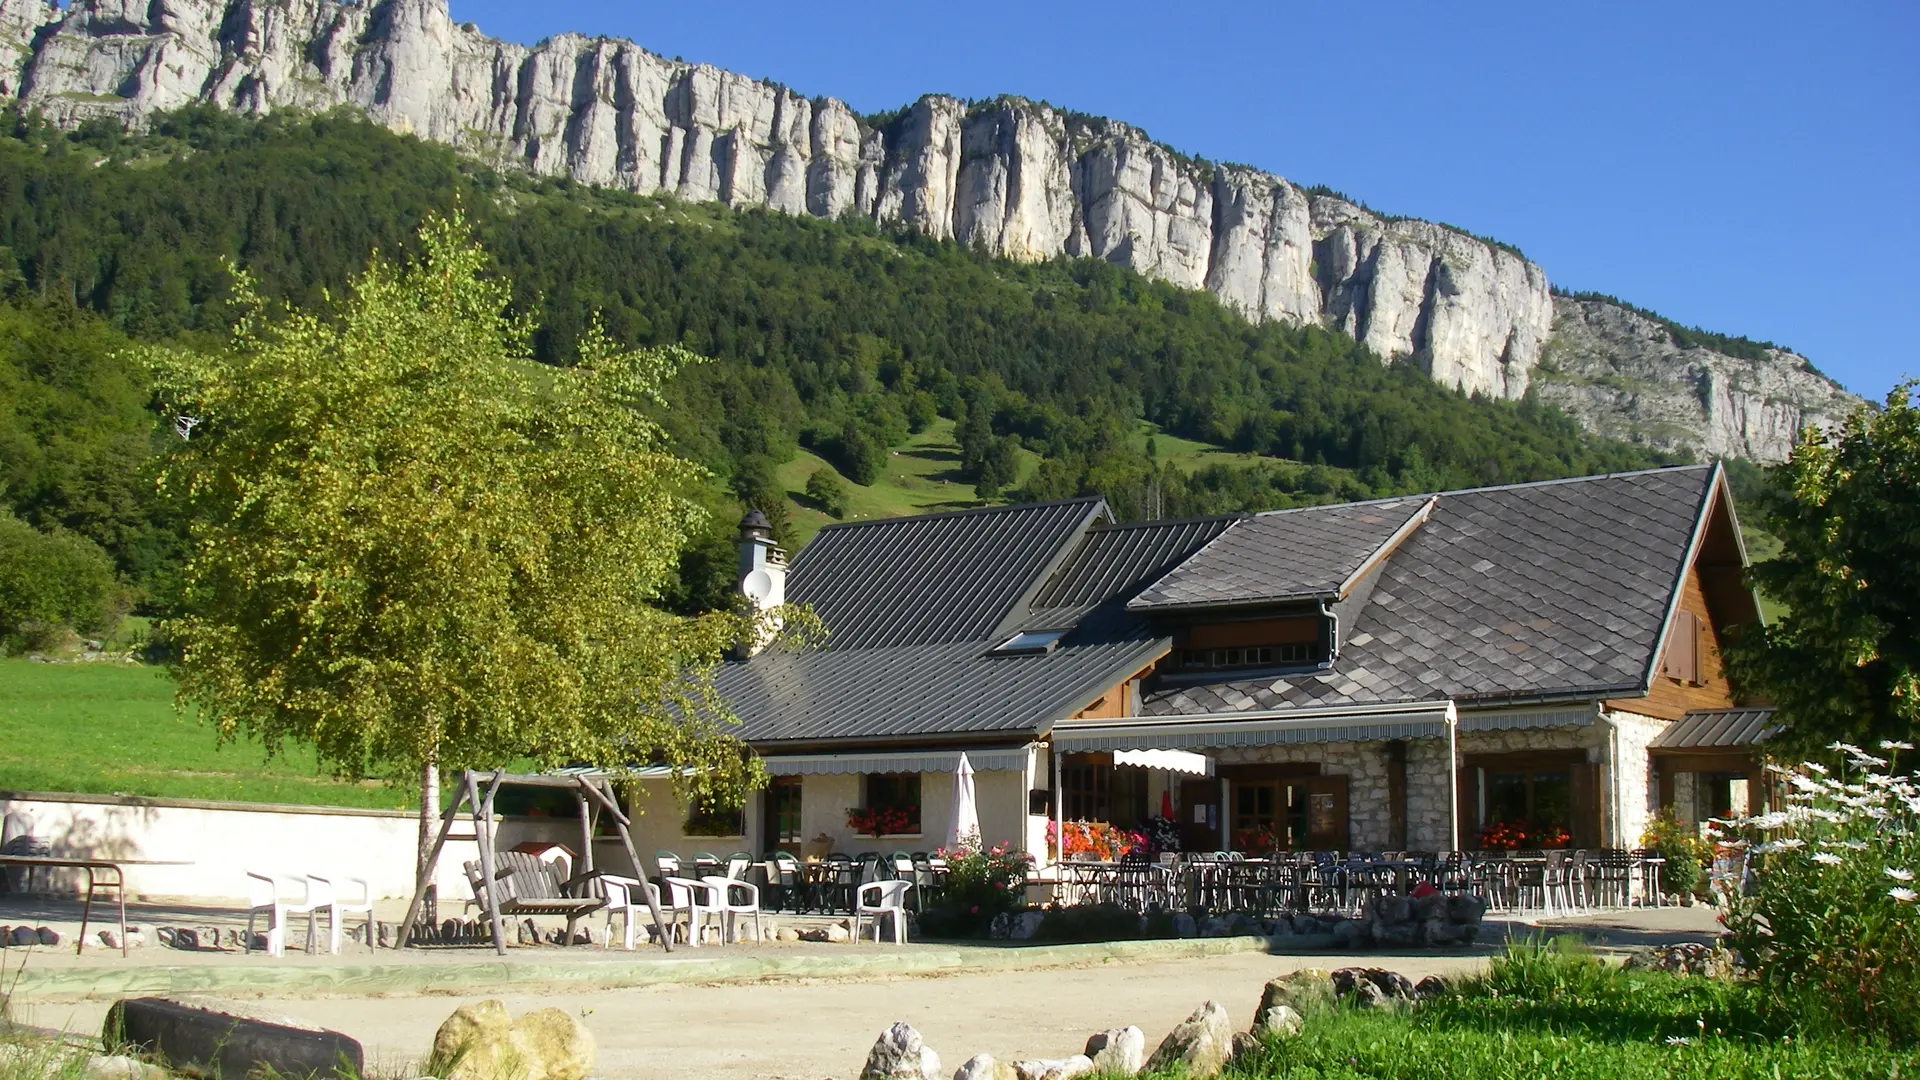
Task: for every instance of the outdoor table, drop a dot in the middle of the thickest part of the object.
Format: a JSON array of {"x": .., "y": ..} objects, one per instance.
[{"x": 95, "y": 869}]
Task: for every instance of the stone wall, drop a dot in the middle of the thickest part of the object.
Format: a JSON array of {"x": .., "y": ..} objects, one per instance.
[
  {"x": 1632, "y": 785},
  {"x": 1365, "y": 767}
]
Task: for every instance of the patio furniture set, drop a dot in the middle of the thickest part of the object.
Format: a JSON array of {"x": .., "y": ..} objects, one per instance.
[
  {"x": 272, "y": 896},
  {"x": 873, "y": 889},
  {"x": 1331, "y": 882}
]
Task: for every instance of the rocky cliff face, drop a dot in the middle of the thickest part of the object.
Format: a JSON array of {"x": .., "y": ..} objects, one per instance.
[
  {"x": 1622, "y": 375},
  {"x": 1014, "y": 178}
]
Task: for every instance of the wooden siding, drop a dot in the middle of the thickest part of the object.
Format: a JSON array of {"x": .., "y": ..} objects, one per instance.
[
  {"x": 1111, "y": 705},
  {"x": 1672, "y": 698}
]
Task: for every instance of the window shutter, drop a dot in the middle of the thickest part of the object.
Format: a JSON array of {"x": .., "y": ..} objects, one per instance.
[{"x": 1682, "y": 659}]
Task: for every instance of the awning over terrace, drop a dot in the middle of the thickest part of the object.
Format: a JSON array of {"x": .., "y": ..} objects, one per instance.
[{"x": 1345, "y": 723}]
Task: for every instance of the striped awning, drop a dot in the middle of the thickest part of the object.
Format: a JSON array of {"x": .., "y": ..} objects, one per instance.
[
  {"x": 914, "y": 761},
  {"x": 1372, "y": 723}
]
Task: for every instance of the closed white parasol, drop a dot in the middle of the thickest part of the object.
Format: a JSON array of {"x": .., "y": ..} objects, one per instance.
[{"x": 966, "y": 808}]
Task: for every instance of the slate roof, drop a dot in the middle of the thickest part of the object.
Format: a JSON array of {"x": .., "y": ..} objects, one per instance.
[
  {"x": 1310, "y": 553},
  {"x": 1506, "y": 593},
  {"x": 934, "y": 578},
  {"x": 1716, "y": 728},
  {"x": 939, "y": 677}
]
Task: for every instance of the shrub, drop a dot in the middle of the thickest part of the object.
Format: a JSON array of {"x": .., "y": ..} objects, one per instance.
[
  {"x": 981, "y": 883},
  {"x": 1828, "y": 919},
  {"x": 826, "y": 488},
  {"x": 1686, "y": 853},
  {"x": 52, "y": 584},
  {"x": 1091, "y": 922}
]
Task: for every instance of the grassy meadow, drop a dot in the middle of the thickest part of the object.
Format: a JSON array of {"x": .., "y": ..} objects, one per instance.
[{"x": 110, "y": 728}]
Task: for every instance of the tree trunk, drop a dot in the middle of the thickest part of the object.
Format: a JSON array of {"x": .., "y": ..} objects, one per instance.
[{"x": 429, "y": 813}]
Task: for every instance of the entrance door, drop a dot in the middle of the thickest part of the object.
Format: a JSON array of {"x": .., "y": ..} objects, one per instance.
[
  {"x": 782, "y": 818},
  {"x": 1199, "y": 815},
  {"x": 1327, "y": 813}
]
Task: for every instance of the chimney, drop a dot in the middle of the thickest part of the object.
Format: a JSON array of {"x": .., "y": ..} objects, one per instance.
[{"x": 763, "y": 577}]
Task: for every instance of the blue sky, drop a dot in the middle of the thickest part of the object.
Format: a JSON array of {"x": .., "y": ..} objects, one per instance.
[{"x": 1750, "y": 168}]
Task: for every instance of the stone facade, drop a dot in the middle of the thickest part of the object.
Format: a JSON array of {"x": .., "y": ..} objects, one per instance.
[
  {"x": 1630, "y": 786},
  {"x": 1364, "y": 764}
]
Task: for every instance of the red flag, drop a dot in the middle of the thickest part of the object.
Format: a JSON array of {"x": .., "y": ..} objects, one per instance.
[{"x": 1166, "y": 805}]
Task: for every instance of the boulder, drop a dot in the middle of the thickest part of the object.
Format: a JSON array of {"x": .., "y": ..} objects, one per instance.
[
  {"x": 210, "y": 1036},
  {"x": 1184, "y": 926},
  {"x": 1392, "y": 910},
  {"x": 984, "y": 1067},
  {"x": 1216, "y": 927},
  {"x": 898, "y": 1054},
  {"x": 1306, "y": 924},
  {"x": 1431, "y": 906},
  {"x": 1466, "y": 908},
  {"x": 1303, "y": 991},
  {"x": 23, "y": 935},
  {"x": 1431, "y": 987},
  {"x": 787, "y": 933},
  {"x": 1053, "y": 1068},
  {"x": 1278, "y": 1021},
  {"x": 46, "y": 935},
  {"x": 1025, "y": 925},
  {"x": 480, "y": 1042},
  {"x": 1244, "y": 1044},
  {"x": 838, "y": 932},
  {"x": 1200, "y": 1045},
  {"x": 1349, "y": 933},
  {"x": 526, "y": 932},
  {"x": 1354, "y": 981},
  {"x": 111, "y": 939},
  {"x": 1118, "y": 1051}
]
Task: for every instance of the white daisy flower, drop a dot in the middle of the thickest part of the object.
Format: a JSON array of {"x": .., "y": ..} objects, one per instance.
[
  {"x": 1895, "y": 744},
  {"x": 1814, "y": 766},
  {"x": 1828, "y": 858},
  {"x": 1898, "y": 874},
  {"x": 1678, "y": 1040},
  {"x": 1905, "y": 896}
]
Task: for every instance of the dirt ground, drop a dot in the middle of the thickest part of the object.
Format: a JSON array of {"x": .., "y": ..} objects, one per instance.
[{"x": 810, "y": 1030}]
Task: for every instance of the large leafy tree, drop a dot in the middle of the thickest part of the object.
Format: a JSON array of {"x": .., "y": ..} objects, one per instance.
[
  {"x": 1844, "y": 662},
  {"x": 411, "y": 546}
]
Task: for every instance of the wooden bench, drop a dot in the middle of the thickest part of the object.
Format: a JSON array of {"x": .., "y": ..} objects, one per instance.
[{"x": 526, "y": 886}]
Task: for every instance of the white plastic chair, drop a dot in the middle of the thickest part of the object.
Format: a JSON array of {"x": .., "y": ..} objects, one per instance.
[
  {"x": 882, "y": 898},
  {"x": 697, "y": 900},
  {"x": 264, "y": 898},
  {"x": 625, "y": 898},
  {"x": 338, "y": 909},
  {"x": 736, "y": 898}
]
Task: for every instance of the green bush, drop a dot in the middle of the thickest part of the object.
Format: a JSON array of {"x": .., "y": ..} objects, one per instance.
[
  {"x": 981, "y": 883},
  {"x": 1091, "y": 922},
  {"x": 1687, "y": 855},
  {"x": 1829, "y": 919},
  {"x": 826, "y": 488},
  {"x": 51, "y": 585}
]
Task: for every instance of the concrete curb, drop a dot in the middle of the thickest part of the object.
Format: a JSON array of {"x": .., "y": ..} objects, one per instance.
[{"x": 107, "y": 982}]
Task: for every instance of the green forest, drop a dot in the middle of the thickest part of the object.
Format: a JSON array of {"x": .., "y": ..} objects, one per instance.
[{"x": 835, "y": 339}]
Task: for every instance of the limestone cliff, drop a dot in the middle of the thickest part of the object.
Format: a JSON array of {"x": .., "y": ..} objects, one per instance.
[{"x": 1012, "y": 177}]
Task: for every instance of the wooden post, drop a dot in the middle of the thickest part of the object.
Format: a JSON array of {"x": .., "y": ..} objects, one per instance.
[
  {"x": 483, "y": 828},
  {"x": 586, "y": 848},
  {"x": 428, "y": 863}
]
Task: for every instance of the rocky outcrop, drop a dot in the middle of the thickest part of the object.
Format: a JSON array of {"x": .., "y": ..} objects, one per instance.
[
  {"x": 1012, "y": 177},
  {"x": 1622, "y": 374}
]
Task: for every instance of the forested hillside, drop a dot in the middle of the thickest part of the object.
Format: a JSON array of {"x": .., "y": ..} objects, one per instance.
[{"x": 832, "y": 336}]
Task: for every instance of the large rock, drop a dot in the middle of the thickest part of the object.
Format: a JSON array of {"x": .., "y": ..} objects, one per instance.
[
  {"x": 984, "y": 1067},
  {"x": 211, "y": 1036},
  {"x": 1278, "y": 1021},
  {"x": 1304, "y": 991},
  {"x": 480, "y": 1042},
  {"x": 899, "y": 1054},
  {"x": 1118, "y": 1051},
  {"x": 1201, "y": 1044},
  {"x": 1054, "y": 1068}
]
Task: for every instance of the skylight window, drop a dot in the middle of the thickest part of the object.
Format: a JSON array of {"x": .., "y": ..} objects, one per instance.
[{"x": 1030, "y": 641}]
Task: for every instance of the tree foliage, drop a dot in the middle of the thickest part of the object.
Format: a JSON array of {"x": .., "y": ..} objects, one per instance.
[
  {"x": 410, "y": 544},
  {"x": 1844, "y": 662},
  {"x": 51, "y": 583}
]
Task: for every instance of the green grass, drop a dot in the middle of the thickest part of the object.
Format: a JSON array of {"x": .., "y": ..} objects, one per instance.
[
  {"x": 109, "y": 728},
  {"x": 1545, "y": 1012},
  {"x": 921, "y": 477},
  {"x": 1188, "y": 455}
]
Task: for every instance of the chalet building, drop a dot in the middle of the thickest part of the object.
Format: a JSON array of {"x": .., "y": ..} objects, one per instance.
[{"x": 1397, "y": 674}]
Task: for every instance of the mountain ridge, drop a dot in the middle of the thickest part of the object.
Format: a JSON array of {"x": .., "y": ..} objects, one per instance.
[{"x": 1010, "y": 176}]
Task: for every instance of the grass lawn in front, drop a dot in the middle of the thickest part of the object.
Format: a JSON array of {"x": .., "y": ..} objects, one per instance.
[
  {"x": 1548, "y": 1012},
  {"x": 110, "y": 728}
]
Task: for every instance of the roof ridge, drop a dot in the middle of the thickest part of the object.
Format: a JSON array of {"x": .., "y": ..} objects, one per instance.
[
  {"x": 1588, "y": 478},
  {"x": 971, "y": 511},
  {"x": 1117, "y": 526}
]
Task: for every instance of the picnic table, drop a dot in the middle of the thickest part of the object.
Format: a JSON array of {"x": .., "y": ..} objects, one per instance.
[{"x": 96, "y": 883}]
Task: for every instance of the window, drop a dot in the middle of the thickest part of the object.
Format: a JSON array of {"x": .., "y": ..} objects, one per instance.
[
  {"x": 1031, "y": 641},
  {"x": 895, "y": 791},
  {"x": 783, "y": 813},
  {"x": 705, "y": 818},
  {"x": 1101, "y": 792},
  {"x": 1269, "y": 816},
  {"x": 1536, "y": 797},
  {"x": 1682, "y": 660},
  {"x": 1251, "y": 656}
]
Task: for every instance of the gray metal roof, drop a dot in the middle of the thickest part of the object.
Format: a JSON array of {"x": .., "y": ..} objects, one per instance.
[
  {"x": 1115, "y": 562},
  {"x": 1311, "y": 553},
  {"x": 1716, "y": 728},
  {"x": 1506, "y": 593},
  {"x": 869, "y": 687},
  {"x": 934, "y": 578}
]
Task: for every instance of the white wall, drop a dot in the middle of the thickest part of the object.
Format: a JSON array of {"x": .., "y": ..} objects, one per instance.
[{"x": 220, "y": 842}]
